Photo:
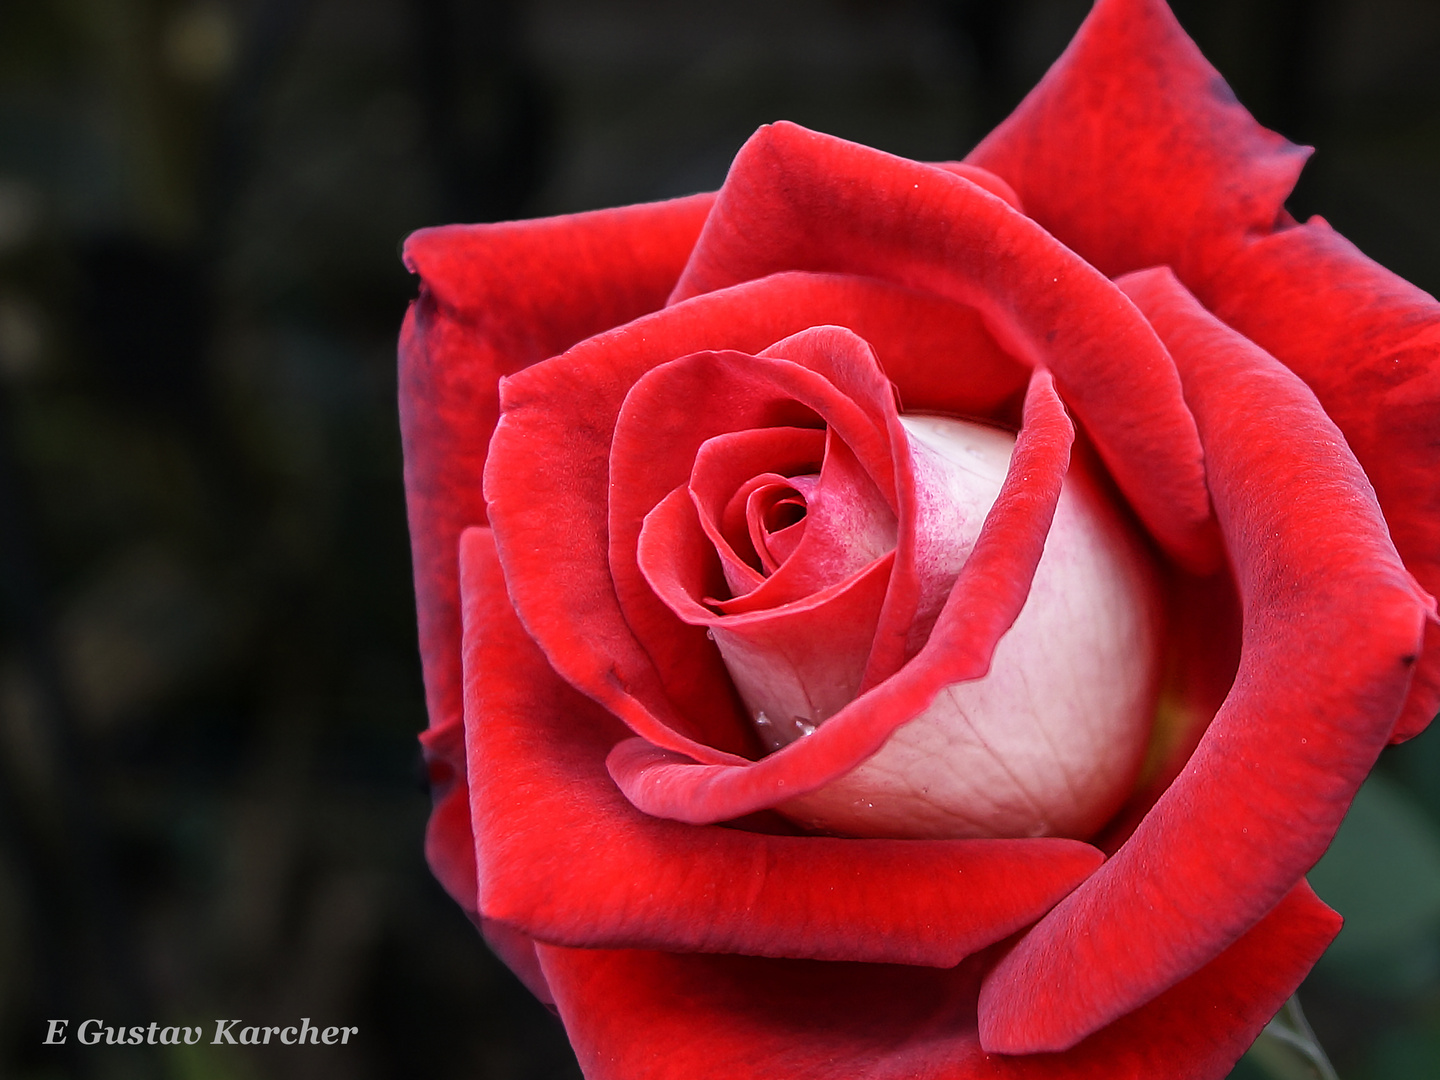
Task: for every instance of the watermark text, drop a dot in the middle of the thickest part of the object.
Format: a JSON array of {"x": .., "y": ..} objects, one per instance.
[{"x": 227, "y": 1033}]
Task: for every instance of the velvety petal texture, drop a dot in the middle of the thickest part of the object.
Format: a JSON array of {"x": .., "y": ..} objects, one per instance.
[
  {"x": 984, "y": 602},
  {"x": 1134, "y": 152},
  {"x": 1368, "y": 344},
  {"x": 470, "y": 326},
  {"x": 1295, "y": 737},
  {"x": 680, "y": 568},
  {"x": 583, "y": 628},
  {"x": 795, "y": 200},
  {"x": 563, "y": 857},
  {"x": 738, "y": 1016}
]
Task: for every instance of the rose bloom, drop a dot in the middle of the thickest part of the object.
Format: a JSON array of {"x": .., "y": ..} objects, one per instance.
[{"x": 900, "y": 620}]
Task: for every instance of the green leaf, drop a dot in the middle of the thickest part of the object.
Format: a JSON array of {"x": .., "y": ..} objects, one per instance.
[
  {"x": 1286, "y": 1050},
  {"x": 1382, "y": 873}
]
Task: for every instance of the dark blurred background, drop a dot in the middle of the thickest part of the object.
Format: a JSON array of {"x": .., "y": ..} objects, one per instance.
[{"x": 210, "y": 804}]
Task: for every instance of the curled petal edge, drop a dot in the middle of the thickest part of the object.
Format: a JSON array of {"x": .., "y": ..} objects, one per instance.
[{"x": 985, "y": 601}]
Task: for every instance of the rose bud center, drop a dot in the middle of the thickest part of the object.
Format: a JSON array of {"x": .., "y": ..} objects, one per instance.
[{"x": 1050, "y": 741}]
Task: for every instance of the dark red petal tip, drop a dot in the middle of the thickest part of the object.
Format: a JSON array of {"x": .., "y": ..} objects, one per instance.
[
  {"x": 495, "y": 299},
  {"x": 1134, "y": 152}
]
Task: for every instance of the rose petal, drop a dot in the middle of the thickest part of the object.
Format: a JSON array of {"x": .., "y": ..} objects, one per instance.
[
  {"x": 1203, "y": 630},
  {"x": 654, "y": 1016},
  {"x": 1368, "y": 344},
  {"x": 1133, "y": 152},
  {"x": 674, "y": 410},
  {"x": 1272, "y": 777},
  {"x": 795, "y": 199},
  {"x": 564, "y": 858},
  {"x": 449, "y": 842},
  {"x": 560, "y": 578},
  {"x": 1044, "y": 744},
  {"x": 775, "y": 513},
  {"x": 848, "y": 525},
  {"x": 985, "y": 601},
  {"x": 516, "y": 951},
  {"x": 827, "y": 634},
  {"x": 668, "y": 414},
  {"x": 494, "y": 299},
  {"x": 727, "y": 469},
  {"x": 450, "y": 851},
  {"x": 531, "y": 289},
  {"x": 983, "y": 178}
]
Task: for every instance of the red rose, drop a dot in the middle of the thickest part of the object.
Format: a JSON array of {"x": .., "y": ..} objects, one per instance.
[{"x": 699, "y": 449}]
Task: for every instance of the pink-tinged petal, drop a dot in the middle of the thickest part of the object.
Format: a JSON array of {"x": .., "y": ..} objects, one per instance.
[
  {"x": 848, "y": 525},
  {"x": 1368, "y": 344},
  {"x": 851, "y": 360},
  {"x": 729, "y": 470},
  {"x": 1040, "y": 746},
  {"x": 804, "y": 661},
  {"x": 668, "y": 414},
  {"x": 1201, "y": 655},
  {"x": 565, "y": 859},
  {"x": 493, "y": 300},
  {"x": 671, "y": 412},
  {"x": 654, "y": 1016},
  {"x": 940, "y": 519},
  {"x": 549, "y": 462},
  {"x": 798, "y": 200},
  {"x": 826, "y": 635},
  {"x": 1133, "y": 151},
  {"x": 985, "y": 601},
  {"x": 1332, "y": 624}
]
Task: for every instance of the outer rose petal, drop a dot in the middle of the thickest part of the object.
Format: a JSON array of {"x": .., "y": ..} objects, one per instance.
[
  {"x": 657, "y": 1016},
  {"x": 494, "y": 299},
  {"x": 1134, "y": 152},
  {"x": 565, "y": 858},
  {"x": 1277, "y": 768},
  {"x": 1368, "y": 344},
  {"x": 450, "y": 851},
  {"x": 449, "y": 842}
]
